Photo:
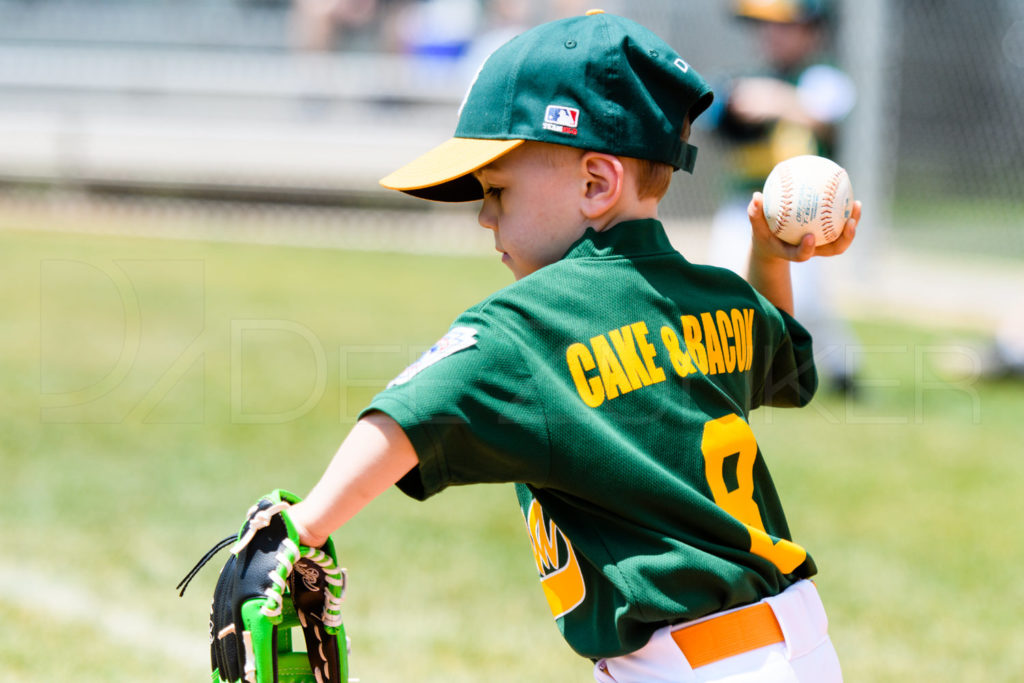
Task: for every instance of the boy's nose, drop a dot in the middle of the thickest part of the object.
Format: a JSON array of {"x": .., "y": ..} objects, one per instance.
[{"x": 487, "y": 218}]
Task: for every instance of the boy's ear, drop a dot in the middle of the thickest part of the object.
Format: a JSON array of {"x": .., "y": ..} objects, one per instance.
[{"x": 604, "y": 176}]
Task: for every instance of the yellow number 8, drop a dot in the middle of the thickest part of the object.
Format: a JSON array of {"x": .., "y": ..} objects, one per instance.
[{"x": 727, "y": 437}]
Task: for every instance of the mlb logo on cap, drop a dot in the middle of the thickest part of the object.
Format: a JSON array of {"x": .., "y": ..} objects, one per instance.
[{"x": 561, "y": 119}]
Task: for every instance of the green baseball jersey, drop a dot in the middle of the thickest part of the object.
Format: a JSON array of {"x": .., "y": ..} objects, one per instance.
[{"x": 613, "y": 388}]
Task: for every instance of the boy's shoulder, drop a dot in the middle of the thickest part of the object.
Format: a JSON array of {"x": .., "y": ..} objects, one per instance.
[{"x": 594, "y": 280}]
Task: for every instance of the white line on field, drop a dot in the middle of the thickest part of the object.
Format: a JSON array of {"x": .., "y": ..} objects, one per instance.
[{"x": 53, "y": 596}]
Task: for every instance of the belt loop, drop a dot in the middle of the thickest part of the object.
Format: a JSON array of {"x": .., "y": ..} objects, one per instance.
[{"x": 801, "y": 615}]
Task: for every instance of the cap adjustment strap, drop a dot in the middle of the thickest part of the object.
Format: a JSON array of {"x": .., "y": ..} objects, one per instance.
[{"x": 686, "y": 158}]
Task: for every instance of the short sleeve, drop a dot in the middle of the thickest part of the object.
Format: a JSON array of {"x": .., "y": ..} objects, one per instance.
[
  {"x": 826, "y": 93},
  {"x": 470, "y": 409},
  {"x": 790, "y": 378}
]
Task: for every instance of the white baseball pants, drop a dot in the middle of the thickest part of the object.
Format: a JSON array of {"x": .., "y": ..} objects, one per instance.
[{"x": 805, "y": 656}]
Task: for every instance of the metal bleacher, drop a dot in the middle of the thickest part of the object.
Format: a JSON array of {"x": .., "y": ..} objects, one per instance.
[{"x": 206, "y": 98}]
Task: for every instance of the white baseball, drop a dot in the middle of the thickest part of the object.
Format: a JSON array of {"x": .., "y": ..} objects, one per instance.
[{"x": 808, "y": 194}]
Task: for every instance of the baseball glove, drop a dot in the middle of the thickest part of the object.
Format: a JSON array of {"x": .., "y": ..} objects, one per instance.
[{"x": 269, "y": 585}]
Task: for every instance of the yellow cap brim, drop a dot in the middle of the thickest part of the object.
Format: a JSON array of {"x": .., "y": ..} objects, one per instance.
[
  {"x": 773, "y": 12},
  {"x": 441, "y": 174}
]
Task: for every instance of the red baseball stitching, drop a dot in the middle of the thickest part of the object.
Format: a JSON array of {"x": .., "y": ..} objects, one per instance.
[
  {"x": 829, "y": 198},
  {"x": 785, "y": 201}
]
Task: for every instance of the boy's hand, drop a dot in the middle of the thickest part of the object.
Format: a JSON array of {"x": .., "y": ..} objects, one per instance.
[
  {"x": 767, "y": 246},
  {"x": 770, "y": 256},
  {"x": 271, "y": 581}
]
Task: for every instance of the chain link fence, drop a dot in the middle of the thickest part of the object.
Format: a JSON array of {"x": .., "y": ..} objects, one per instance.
[
  {"x": 210, "y": 101},
  {"x": 958, "y": 153}
]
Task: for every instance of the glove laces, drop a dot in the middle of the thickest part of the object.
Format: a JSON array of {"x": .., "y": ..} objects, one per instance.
[
  {"x": 183, "y": 584},
  {"x": 258, "y": 519}
]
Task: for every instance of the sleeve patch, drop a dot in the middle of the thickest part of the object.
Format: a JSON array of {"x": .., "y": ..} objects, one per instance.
[{"x": 457, "y": 339}]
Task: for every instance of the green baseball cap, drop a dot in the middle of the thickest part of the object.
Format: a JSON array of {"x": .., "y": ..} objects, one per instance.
[{"x": 599, "y": 82}]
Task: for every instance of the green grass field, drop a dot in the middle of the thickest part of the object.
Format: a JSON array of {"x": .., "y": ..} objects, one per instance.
[{"x": 153, "y": 389}]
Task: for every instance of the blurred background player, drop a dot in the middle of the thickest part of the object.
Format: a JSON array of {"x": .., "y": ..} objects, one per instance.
[
  {"x": 999, "y": 357},
  {"x": 441, "y": 29},
  {"x": 317, "y": 25},
  {"x": 792, "y": 105}
]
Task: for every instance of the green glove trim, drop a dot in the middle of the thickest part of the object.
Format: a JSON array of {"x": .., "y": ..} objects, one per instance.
[{"x": 270, "y": 585}]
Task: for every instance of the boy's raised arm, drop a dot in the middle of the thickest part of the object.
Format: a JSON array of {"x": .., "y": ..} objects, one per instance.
[
  {"x": 770, "y": 256},
  {"x": 373, "y": 457}
]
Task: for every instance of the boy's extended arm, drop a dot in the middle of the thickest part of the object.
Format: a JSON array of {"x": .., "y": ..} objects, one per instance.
[
  {"x": 770, "y": 256},
  {"x": 373, "y": 457},
  {"x": 757, "y": 100}
]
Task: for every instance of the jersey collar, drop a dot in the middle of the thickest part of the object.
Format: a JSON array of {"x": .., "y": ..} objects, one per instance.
[{"x": 627, "y": 239}]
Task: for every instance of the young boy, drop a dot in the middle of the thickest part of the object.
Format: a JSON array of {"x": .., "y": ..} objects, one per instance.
[{"x": 612, "y": 380}]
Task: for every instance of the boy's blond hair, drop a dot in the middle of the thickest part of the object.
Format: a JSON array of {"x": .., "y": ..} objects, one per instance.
[{"x": 652, "y": 179}]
